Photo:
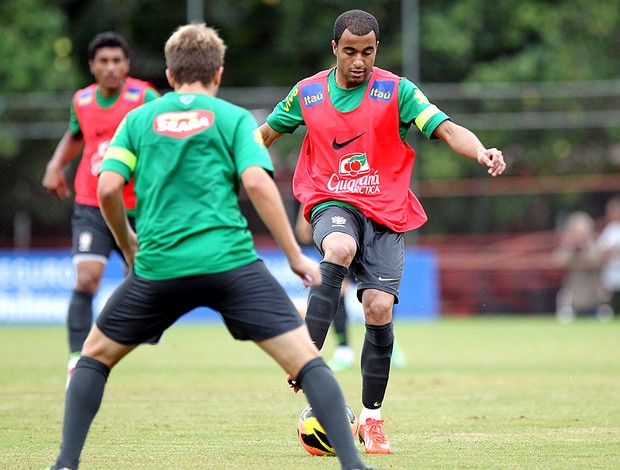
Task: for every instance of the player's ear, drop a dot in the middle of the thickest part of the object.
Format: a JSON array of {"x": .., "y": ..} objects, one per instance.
[
  {"x": 217, "y": 78},
  {"x": 334, "y": 47},
  {"x": 170, "y": 78}
]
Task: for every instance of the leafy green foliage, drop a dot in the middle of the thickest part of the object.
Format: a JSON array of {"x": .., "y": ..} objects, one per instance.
[
  {"x": 529, "y": 40},
  {"x": 35, "y": 47},
  {"x": 274, "y": 43}
]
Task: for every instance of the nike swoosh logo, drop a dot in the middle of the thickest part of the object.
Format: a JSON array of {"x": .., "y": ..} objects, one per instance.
[
  {"x": 381, "y": 278},
  {"x": 338, "y": 146}
]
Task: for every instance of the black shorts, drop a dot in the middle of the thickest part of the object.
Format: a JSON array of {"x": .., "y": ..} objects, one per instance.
[
  {"x": 92, "y": 240},
  {"x": 253, "y": 305},
  {"x": 380, "y": 257}
]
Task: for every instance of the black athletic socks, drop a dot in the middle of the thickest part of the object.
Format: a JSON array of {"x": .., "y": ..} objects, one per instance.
[
  {"x": 79, "y": 319},
  {"x": 340, "y": 323},
  {"x": 323, "y": 301},
  {"x": 82, "y": 402},
  {"x": 328, "y": 404},
  {"x": 376, "y": 357}
]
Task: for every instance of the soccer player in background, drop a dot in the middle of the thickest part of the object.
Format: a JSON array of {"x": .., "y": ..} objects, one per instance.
[
  {"x": 352, "y": 178},
  {"x": 190, "y": 152},
  {"x": 96, "y": 111}
]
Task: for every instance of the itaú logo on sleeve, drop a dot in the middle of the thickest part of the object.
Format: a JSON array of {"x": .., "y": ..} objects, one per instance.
[
  {"x": 312, "y": 94},
  {"x": 183, "y": 124},
  {"x": 381, "y": 90}
]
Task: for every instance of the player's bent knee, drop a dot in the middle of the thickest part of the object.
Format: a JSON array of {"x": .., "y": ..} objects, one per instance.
[
  {"x": 378, "y": 307},
  {"x": 105, "y": 350},
  {"x": 87, "y": 284},
  {"x": 292, "y": 349},
  {"x": 339, "y": 248},
  {"x": 88, "y": 276}
]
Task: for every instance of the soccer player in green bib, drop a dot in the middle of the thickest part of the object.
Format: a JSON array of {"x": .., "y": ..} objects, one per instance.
[
  {"x": 189, "y": 153},
  {"x": 352, "y": 178}
]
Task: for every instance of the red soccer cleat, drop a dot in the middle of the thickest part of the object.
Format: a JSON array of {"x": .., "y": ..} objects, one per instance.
[{"x": 371, "y": 435}]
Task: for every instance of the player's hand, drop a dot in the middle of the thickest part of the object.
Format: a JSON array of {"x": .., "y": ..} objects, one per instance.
[
  {"x": 493, "y": 159},
  {"x": 307, "y": 269},
  {"x": 130, "y": 249},
  {"x": 55, "y": 182}
]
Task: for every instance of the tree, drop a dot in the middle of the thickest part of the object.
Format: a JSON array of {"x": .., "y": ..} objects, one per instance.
[
  {"x": 529, "y": 40},
  {"x": 34, "y": 40},
  {"x": 477, "y": 44}
]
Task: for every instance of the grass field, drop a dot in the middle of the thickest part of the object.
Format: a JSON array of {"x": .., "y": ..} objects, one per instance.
[{"x": 478, "y": 393}]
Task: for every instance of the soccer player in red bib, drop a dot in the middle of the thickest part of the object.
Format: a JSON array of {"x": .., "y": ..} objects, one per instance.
[
  {"x": 353, "y": 177},
  {"x": 96, "y": 112}
]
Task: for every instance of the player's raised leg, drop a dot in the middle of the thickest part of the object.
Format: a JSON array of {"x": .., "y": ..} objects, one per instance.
[{"x": 338, "y": 251}]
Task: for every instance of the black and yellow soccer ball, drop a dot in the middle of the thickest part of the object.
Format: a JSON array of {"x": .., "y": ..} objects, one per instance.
[{"x": 312, "y": 435}]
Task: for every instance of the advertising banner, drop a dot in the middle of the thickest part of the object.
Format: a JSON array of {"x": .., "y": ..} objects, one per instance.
[{"x": 36, "y": 285}]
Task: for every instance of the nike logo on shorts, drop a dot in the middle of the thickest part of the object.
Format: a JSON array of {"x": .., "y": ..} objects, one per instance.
[
  {"x": 381, "y": 278},
  {"x": 338, "y": 146}
]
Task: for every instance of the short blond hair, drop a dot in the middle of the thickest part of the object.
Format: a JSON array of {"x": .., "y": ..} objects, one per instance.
[{"x": 194, "y": 52}]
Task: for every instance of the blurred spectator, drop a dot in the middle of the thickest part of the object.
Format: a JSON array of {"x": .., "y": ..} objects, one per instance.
[
  {"x": 609, "y": 243},
  {"x": 581, "y": 291}
]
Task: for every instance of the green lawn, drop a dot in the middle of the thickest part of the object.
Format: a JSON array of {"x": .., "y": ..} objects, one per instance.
[{"x": 477, "y": 393}]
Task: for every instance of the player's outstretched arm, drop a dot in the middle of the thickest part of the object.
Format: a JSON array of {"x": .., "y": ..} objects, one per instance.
[
  {"x": 466, "y": 143},
  {"x": 54, "y": 179},
  {"x": 266, "y": 199},
  {"x": 269, "y": 135}
]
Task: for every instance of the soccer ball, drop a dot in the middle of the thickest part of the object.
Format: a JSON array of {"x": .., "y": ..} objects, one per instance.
[{"x": 313, "y": 437}]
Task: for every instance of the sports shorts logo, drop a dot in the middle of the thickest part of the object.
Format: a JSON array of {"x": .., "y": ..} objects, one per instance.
[
  {"x": 338, "y": 145},
  {"x": 386, "y": 279},
  {"x": 85, "y": 241},
  {"x": 381, "y": 90},
  {"x": 180, "y": 125},
  {"x": 338, "y": 221},
  {"x": 312, "y": 94}
]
